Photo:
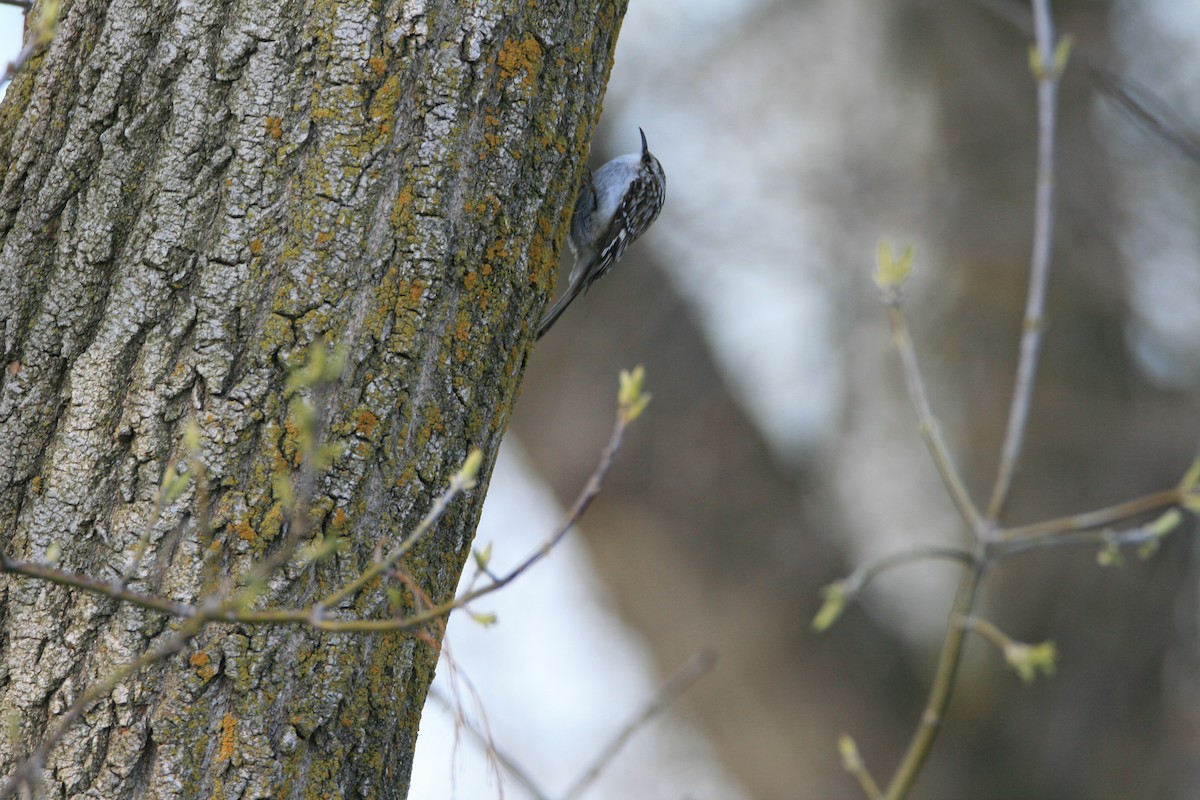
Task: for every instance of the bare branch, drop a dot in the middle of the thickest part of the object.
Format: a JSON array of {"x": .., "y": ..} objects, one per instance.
[
  {"x": 943, "y": 685},
  {"x": 506, "y": 762},
  {"x": 1046, "y": 58},
  {"x": 1095, "y": 519},
  {"x": 930, "y": 430},
  {"x": 1150, "y": 111},
  {"x": 676, "y": 683}
]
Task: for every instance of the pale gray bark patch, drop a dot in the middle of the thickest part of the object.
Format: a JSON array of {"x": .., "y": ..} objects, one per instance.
[{"x": 190, "y": 195}]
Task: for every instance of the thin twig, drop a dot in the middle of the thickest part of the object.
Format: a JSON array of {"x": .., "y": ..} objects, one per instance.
[
  {"x": 853, "y": 762},
  {"x": 314, "y": 618},
  {"x": 930, "y": 430},
  {"x": 15, "y": 65},
  {"x": 1150, "y": 533},
  {"x": 1095, "y": 519},
  {"x": 507, "y": 762},
  {"x": 1150, "y": 111},
  {"x": 24, "y": 5},
  {"x": 943, "y": 685},
  {"x": 862, "y": 576},
  {"x": 458, "y": 484},
  {"x": 1047, "y": 75},
  {"x": 114, "y": 589},
  {"x": 676, "y": 683}
]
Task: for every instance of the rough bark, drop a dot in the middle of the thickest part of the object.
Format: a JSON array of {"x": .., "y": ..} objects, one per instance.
[{"x": 191, "y": 194}]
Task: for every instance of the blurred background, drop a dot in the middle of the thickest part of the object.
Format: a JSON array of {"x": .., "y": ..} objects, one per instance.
[{"x": 781, "y": 450}]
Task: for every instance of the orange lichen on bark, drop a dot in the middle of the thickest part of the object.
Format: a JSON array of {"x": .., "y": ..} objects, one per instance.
[
  {"x": 228, "y": 730},
  {"x": 520, "y": 56},
  {"x": 365, "y": 422}
]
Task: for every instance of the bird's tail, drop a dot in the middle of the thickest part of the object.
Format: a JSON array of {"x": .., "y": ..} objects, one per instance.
[{"x": 558, "y": 308}]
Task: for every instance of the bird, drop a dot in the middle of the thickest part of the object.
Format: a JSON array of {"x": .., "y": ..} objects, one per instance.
[{"x": 615, "y": 205}]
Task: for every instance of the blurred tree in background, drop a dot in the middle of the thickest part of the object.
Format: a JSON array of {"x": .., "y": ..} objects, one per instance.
[{"x": 794, "y": 139}]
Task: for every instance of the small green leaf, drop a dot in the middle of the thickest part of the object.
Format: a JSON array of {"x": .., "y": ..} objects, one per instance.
[
  {"x": 322, "y": 549},
  {"x": 395, "y": 597},
  {"x": 320, "y": 366},
  {"x": 1167, "y": 522},
  {"x": 1190, "y": 478},
  {"x": 832, "y": 607},
  {"x": 469, "y": 471},
  {"x": 327, "y": 454},
  {"x": 47, "y": 22},
  {"x": 851, "y": 759},
  {"x": 1148, "y": 548},
  {"x": 191, "y": 437},
  {"x": 281, "y": 486},
  {"x": 1035, "y": 63},
  {"x": 486, "y": 620},
  {"x": 1027, "y": 660},
  {"x": 483, "y": 557},
  {"x": 1062, "y": 52},
  {"x": 53, "y": 554},
  {"x": 1158, "y": 530},
  {"x": 334, "y": 365},
  {"x": 174, "y": 485},
  {"x": 1110, "y": 554},
  {"x": 632, "y": 398},
  {"x": 891, "y": 271}
]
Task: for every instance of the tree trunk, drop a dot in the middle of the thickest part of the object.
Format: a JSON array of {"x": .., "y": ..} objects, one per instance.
[{"x": 191, "y": 195}]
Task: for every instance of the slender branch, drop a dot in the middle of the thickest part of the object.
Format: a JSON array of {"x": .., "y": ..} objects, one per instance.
[
  {"x": 315, "y": 616},
  {"x": 1149, "y": 110},
  {"x": 852, "y": 762},
  {"x": 15, "y": 65},
  {"x": 506, "y": 762},
  {"x": 862, "y": 576},
  {"x": 114, "y": 589},
  {"x": 987, "y": 630},
  {"x": 1046, "y": 72},
  {"x": 1149, "y": 534},
  {"x": 1095, "y": 519},
  {"x": 590, "y": 490},
  {"x": 676, "y": 683},
  {"x": 930, "y": 430},
  {"x": 458, "y": 484},
  {"x": 24, "y": 5},
  {"x": 943, "y": 684}
]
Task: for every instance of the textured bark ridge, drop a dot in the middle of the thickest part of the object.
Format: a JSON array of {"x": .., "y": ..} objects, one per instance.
[{"x": 190, "y": 194}]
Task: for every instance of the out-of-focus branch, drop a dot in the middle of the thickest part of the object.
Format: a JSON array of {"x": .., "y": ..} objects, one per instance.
[
  {"x": 505, "y": 761},
  {"x": 42, "y": 33},
  {"x": 1047, "y": 59},
  {"x": 1150, "y": 111},
  {"x": 1095, "y": 519},
  {"x": 891, "y": 272},
  {"x": 676, "y": 683},
  {"x": 943, "y": 686}
]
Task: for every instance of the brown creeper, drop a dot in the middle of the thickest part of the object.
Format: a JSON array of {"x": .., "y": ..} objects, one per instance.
[{"x": 616, "y": 205}]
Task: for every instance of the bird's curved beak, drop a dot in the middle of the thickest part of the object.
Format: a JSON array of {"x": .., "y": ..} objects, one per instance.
[{"x": 645, "y": 147}]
